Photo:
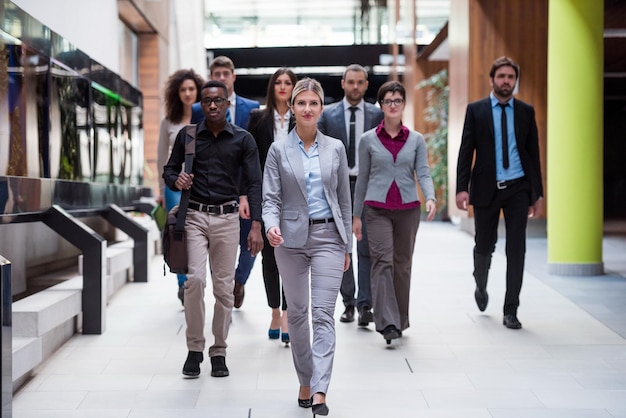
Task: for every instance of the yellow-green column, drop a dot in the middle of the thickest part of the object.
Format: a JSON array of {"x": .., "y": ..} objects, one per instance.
[{"x": 575, "y": 137}]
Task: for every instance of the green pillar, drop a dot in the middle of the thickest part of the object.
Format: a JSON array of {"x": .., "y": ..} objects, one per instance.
[{"x": 575, "y": 137}]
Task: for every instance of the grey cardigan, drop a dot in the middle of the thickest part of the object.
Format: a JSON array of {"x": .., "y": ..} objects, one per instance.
[{"x": 377, "y": 170}]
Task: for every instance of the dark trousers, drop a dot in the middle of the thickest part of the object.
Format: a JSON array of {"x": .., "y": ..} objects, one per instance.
[
  {"x": 246, "y": 259},
  {"x": 513, "y": 202},
  {"x": 392, "y": 241},
  {"x": 364, "y": 295},
  {"x": 271, "y": 277}
]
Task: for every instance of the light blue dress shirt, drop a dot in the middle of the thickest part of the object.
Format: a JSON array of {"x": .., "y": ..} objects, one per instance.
[
  {"x": 318, "y": 205},
  {"x": 515, "y": 169}
]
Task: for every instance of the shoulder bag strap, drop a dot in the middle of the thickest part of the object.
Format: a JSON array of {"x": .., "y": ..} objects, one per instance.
[{"x": 190, "y": 151}]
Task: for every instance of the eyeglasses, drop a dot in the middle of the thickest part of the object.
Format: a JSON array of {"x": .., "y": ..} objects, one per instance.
[
  {"x": 217, "y": 100},
  {"x": 389, "y": 102}
]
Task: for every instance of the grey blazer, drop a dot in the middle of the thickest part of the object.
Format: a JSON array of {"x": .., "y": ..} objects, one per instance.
[
  {"x": 284, "y": 189},
  {"x": 333, "y": 120},
  {"x": 377, "y": 170}
]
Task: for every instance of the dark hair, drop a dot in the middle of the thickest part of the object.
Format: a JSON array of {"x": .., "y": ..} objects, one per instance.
[
  {"x": 503, "y": 62},
  {"x": 390, "y": 87},
  {"x": 173, "y": 106},
  {"x": 354, "y": 67},
  {"x": 215, "y": 83},
  {"x": 221, "y": 61},
  {"x": 270, "y": 100}
]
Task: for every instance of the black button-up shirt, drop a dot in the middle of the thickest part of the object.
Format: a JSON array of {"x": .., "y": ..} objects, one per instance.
[{"x": 224, "y": 168}]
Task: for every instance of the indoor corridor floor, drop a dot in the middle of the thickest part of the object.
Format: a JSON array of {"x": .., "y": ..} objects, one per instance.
[{"x": 568, "y": 361}]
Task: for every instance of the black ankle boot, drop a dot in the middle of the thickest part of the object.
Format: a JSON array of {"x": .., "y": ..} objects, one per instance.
[
  {"x": 218, "y": 366},
  {"x": 192, "y": 364}
]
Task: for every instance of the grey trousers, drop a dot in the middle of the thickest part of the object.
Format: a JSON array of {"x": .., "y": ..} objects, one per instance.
[
  {"x": 391, "y": 240},
  {"x": 218, "y": 237},
  {"x": 320, "y": 260}
]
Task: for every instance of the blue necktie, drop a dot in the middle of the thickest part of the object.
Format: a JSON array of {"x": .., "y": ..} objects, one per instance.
[{"x": 228, "y": 115}]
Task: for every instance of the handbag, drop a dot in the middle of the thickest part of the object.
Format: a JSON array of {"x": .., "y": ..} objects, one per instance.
[{"x": 174, "y": 240}]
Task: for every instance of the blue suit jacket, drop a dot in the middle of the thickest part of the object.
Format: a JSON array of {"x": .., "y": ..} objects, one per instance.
[{"x": 243, "y": 107}]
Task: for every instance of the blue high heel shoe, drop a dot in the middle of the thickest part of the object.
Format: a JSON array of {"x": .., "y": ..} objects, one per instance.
[
  {"x": 274, "y": 334},
  {"x": 284, "y": 337}
]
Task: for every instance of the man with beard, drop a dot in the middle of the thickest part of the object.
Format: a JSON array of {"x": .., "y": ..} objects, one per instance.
[
  {"x": 505, "y": 176},
  {"x": 347, "y": 120}
]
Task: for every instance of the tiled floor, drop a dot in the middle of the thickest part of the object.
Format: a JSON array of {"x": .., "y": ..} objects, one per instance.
[{"x": 453, "y": 362}]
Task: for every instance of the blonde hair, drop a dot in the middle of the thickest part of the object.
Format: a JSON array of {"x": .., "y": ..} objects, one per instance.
[{"x": 307, "y": 84}]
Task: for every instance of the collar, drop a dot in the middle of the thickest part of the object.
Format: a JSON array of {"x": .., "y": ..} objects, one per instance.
[
  {"x": 495, "y": 101},
  {"x": 278, "y": 118},
  {"x": 381, "y": 132},
  {"x": 227, "y": 128},
  {"x": 346, "y": 104}
]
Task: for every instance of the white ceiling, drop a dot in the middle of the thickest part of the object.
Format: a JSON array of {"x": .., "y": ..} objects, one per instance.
[{"x": 248, "y": 23}]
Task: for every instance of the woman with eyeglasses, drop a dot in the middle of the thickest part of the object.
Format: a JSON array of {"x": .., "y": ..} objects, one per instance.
[
  {"x": 391, "y": 157},
  {"x": 307, "y": 219}
]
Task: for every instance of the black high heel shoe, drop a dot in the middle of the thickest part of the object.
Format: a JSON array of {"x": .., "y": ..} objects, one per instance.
[
  {"x": 305, "y": 403},
  {"x": 320, "y": 409},
  {"x": 391, "y": 333}
]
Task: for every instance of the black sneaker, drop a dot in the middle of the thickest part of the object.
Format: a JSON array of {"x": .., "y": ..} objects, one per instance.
[
  {"x": 218, "y": 366},
  {"x": 192, "y": 364}
]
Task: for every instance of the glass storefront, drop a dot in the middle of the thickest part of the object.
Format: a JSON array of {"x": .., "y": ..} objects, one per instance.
[{"x": 62, "y": 114}]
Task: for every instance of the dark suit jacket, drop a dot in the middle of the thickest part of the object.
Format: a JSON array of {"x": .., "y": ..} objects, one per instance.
[
  {"x": 243, "y": 107},
  {"x": 261, "y": 127},
  {"x": 478, "y": 135},
  {"x": 333, "y": 120}
]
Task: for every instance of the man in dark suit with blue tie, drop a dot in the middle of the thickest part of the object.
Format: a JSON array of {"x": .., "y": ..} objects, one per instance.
[
  {"x": 223, "y": 69},
  {"x": 506, "y": 176},
  {"x": 347, "y": 120}
]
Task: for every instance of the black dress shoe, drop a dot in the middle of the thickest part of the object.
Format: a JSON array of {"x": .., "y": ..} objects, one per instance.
[
  {"x": 482, "y": 299},
  {"x": 240, "y": 293},
  {"x": 365, "y": 316},
  {"x": 511, "y": 321},
  {"x": 348, "y": 314},
  {"x": 192, "y": 364},
  {"x": 218, "y": 366}
]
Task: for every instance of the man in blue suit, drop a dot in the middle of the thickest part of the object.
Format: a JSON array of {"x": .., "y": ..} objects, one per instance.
[
  {"x": 347, "y": 120},
  {"x": 222, "y": 69}
]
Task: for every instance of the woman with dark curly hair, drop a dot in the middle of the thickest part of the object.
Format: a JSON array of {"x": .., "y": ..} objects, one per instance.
[{"x": 181, "y": 91}]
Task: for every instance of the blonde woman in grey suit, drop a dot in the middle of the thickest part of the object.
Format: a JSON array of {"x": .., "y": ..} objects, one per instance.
[{"x": 307, "y": 217}]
